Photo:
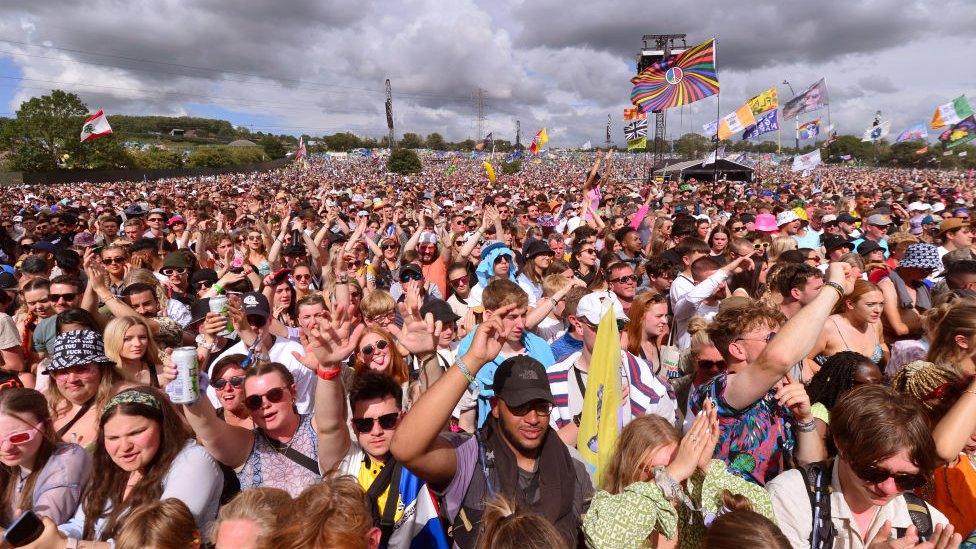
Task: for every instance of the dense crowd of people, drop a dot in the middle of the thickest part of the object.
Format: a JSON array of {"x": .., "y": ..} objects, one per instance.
[{"x": 403, "y": 361}]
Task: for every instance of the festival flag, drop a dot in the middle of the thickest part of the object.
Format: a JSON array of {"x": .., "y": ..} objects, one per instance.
[
  {"x": 963, "y": 131},
  {"x": 95, "y": 126},
  {"x": 586, "y": 146},
  {"x": 808, "y": 130},
  {"x": 951, "y": 112},
  {"x": 765, "y": 123},
  {"x": 635, "y": 130},
  {"x": 765, "y": 101},
  {"x": 677, "y": 80},
  {"x": 736, "y": 122},
  {"x": 539, "y": 141},
  {"x": 923, "y": 150},
  {"x": 813, "y": 98},
  {"x": 599, "y": 425},
  {"x": 300, "y": 152},
  {"x": 806, "y": 162},
  {"x": 638, "y": 144},
  {"x": 486, "y": 144},
  {"x": 634, "y": 114},
  {"x": 608, "y": 130},
  {"x": 490, "y": 171},
  {"x": 710, "y": 128},
  {"x": 714, "y": 156},
  {"x": 918, "y": 131},
  {"x": 876, "y": 132}
]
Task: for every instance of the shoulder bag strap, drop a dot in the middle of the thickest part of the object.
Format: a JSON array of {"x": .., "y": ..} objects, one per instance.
[
  {"x": 294, "y": 455},
  {"x": 78, "y": 415}
]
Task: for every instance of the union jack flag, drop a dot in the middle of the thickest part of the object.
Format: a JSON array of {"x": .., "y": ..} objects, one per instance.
[{"x": 635, "y": 130}]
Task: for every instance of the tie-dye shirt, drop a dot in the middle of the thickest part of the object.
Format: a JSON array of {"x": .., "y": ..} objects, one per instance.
[{"x": 756, "y": 442}]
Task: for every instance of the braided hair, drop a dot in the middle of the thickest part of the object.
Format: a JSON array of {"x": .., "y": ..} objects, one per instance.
[
  {"x": 919, "y": 379},
  {"x": 835, "y": 377}
]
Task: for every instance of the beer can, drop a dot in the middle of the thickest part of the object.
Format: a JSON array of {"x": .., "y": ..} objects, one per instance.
[
  {"x": 218, "y": 305},
  {"x": 185, "y": 389}
]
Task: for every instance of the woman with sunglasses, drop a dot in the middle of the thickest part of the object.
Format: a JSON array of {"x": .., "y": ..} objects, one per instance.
[
  {"x": 703, "y": 361},
  {"x": 227, "y": 379},
  {"x": 382, "y": 271},
  {"x": 82, "y": 380},
  {"x": 145, "y": 453},
  {"x": 130, "y": 345},
  {"x": 280, "y": 451},
  {"x": 38, "y": 472},
  {"x": 497, "y": 260},
  {"x": 256, "y": 250},
  {"x": 116, "y": 262},
  {"x": 585, "y": 262},
  {"x": 302, "y": 275},
  {"x": 376, "y": 351}
]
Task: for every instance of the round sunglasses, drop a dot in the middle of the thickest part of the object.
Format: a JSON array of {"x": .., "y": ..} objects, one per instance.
[
  {"x": 368, "y": 350},
  {"x": 235, "y": 381},
  {"x": 274, "y": 396}
]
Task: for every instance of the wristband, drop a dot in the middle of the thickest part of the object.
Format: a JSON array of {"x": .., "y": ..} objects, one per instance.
[
  {"x": 837, "y": 287},
  {"x": 464, "y": 371},
  {"x": 218, "y": 287},
  {"x": 805, "y": 426},
  {"x": 327, "y": 374}
]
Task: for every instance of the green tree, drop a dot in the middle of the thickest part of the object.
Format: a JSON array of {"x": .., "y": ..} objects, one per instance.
[
  {"x": 106, "y": 153},
  {"x": 411, "y": 141},
  {"x": 45, "y": 129},
  {"x": 692, "y": 145},
  {"x": 210, "y": 157},
  {"x": 403, "y": 161},
  {"x": 273, "y": 147},
  {"x": 343, "y": 141},
  {"x": 436, "y": 142},
  {"x": 853, "y": 146},
  {"x": 156, "y": 158}
]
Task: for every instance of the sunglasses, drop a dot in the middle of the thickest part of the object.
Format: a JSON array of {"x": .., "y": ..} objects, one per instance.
[
  {"x": 767, "y": 339},
  {"x": 174, "y": 270},
  {"x": 624, "y": 279},
  {"x": 501, "y": 258},
  {"x": 391, "y": 246},
  {"x": 254, "y": 237},
  {"x": 22, "y": 437},
  {"x": 203, "y": 285},
  {"x": 711, "y": 364},
  {"x": 588, "y": 251},
  {"x": 458, "y": 281},
  {"x": 274, "y": 396},
  {"x": 67, "y": 297},
  {"x": 235, "y": 381},
  {"x": 303, "y": 277},
  {"x": 368, "y": 350},
  {"x": 365, "y": 424},
  {"x": 541, "y": 407},
  {"x": 739, "y": 228},
  {"x": 877, "y": 475},
  {"x": 406, "y": 277},
  {"x": 761, "y": 246},
  {"x": 118, "y": 260},
  {"x": 154, "y": 219}
]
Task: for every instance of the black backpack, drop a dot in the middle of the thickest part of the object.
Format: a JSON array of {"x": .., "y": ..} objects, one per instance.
[{"x": 817, "y": 478}]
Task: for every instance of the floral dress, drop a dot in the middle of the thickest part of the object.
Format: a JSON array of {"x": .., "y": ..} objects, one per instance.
[{"x": 627, "y": 519}]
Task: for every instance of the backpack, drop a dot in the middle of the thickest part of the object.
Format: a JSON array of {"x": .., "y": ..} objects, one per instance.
[{"x": 817, "y": 477}]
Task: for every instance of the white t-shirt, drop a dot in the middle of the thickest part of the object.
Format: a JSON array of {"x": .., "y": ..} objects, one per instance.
[{"x": 280, "y": 352}]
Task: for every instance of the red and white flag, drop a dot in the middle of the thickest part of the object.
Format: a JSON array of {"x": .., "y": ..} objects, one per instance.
[
  {"x": 95, "y": 126},
  {"x": 300, "y": 152}
]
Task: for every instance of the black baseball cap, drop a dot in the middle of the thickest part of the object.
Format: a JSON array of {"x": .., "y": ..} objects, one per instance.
[
  {"x": 255, "y": 303},
  {"x": 833, "y": 242},
  {"x": 440, "y": 309},
  {"x": 868, "y": 246},
  {"x": 522, "y": 379}
]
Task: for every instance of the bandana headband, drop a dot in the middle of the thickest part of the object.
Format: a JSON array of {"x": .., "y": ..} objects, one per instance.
[{"x": 132, "y": 396}]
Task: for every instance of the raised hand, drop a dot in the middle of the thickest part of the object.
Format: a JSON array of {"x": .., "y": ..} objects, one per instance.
[
  {"x": 488, "y": 339},
  {"x": 418, "y": 334},
  {"x": 328, "y": 341}
]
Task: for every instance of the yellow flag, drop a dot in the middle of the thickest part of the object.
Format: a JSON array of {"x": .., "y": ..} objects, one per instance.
[
  {"x": 765, "y": 101},
  {"x": 599, "y": 424},
  {"x": 490, "y": 171},
  {"x": 542, "y": 137}
]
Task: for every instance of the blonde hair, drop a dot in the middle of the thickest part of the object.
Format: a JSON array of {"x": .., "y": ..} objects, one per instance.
[
  {"x": 640, "y": 437},
  {"x": 779, "y": 245},
  {"x": 376, "y": 303},
  {"x": 919, "y": 378},
  {"x": 507, "y": 526},
  {"x": 265, "y": 507},
  {"x": 337, "y": 515},
  {"x": 166, "y": 524},
  {"x": 553, "y": 283},
  {"x": 115, "y": 334}
]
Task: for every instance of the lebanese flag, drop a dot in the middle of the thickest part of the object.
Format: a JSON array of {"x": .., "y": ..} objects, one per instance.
[{"x": 95, "y": 126}]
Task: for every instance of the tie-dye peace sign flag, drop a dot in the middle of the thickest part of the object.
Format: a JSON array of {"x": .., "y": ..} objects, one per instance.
[{"x": 677, "y": 80}]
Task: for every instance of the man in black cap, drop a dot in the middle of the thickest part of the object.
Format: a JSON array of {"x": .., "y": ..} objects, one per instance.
[
  {"x": 836, "y": 246},
  {"x": 258, "y": 343},
  {"x": 516, "y": 453}
]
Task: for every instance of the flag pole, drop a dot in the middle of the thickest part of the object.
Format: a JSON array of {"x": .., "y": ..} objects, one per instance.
[{"x": 718, "y": 108}]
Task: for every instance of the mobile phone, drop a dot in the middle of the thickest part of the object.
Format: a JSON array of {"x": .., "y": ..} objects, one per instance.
[{"x": 26, "y": 529}]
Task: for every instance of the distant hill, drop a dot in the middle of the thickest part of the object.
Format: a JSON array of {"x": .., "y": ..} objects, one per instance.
[{"x": 178, "y": 126}]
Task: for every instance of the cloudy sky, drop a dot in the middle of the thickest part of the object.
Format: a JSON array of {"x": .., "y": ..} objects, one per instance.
[{"x": 318, "y": 66}]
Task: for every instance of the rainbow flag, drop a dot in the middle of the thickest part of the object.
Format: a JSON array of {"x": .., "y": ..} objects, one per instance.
[
  {"x": 677, "y": 80},
  {"x": 599, "y": 425}
]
